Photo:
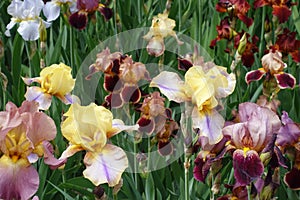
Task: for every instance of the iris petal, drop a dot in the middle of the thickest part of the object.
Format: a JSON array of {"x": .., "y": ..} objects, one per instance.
[
  {"x": 254, "y": 75},
  {"x": 247, "y": 166},
  {"x": 36, "y": 94},
  {"x": 106, "y": 166},
  {"x": 285, "y": 80}
]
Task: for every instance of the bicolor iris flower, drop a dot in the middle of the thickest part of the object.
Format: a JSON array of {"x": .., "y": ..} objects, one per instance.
[
  {"x": 52, "y": 8},
  {"x": 88, "y": 128},
  {"x": 27, "y": 14},
  {"x": 249, "y": 137},
  {"x": 162, "y": 26},
  {"x": 55, "y": 80},
  {"x": 202, "y": 87},
  {"x": 24, "y": 138},
  {"x": 273, "y": 67}
]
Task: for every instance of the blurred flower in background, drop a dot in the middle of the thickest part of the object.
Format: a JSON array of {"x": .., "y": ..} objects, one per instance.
[{"x": 52, "y": 8}]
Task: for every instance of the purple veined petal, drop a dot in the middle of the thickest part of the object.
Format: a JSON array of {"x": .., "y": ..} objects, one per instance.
[
  {"x": 119, "y": 126},
  {"x": 156, "y": 46},
  {"x": 29, "y": 81},
  {"x": 210, "y": 124},
  {"x": 247, "y": 166},
  {"x": 171, "y": 85},
  {"x": 245, "y": 110},
  {"x": 49, "y": 158},
  {"x": 69, "y": 99},
  {"x": 18, "y": 181},
  {"x": 254, "y": 75},
  {"x": 106, "y": 166},
  {"x": 201, "y": 168},
  {"x": 36, "y": 94},
  {"x": 51, "y": 11},
  {"x": 29, "y": 30},
  {"x": 285, "y": 80},
  {"x": 292, "y": 178}
]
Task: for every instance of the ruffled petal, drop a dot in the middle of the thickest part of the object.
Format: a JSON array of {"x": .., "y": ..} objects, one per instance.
[
  {"x": 171, "y": 85},
  {"x": 119, "y": 126},
  {"x": 156, "y": 46},
  {"x": 51, "y": 11},
  {"x": 210, "y": 125},
  {"x": 18, "y": 181},
  {"x": 254, "y": 75},
  {"x": 36, "y": 94},
  {"x": 106, "y": 166},
  {"x": 29, "y": 30},
  {"x": 282, "y": 13},
  {"x": 70, "y": 151},
  {"x": 285, "y": 80},
  {"x": 49, "y": 158},
  {"x": 247, "y": 166}
]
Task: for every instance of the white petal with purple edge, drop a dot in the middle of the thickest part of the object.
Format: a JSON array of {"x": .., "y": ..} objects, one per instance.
[{"x": 106, "y": 166}]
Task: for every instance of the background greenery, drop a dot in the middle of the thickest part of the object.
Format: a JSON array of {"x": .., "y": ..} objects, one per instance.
[{"x": 195, "y": 18}]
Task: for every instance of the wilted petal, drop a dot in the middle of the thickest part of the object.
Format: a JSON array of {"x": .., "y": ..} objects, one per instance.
[
  {"x": 51, "y": 10},
  {"x": 247, "y": 166},
  {"x": 254, "y": 75},
  {"x": 106, "y": 166},
  {"x": 171, "y": 85},
  {"x": 210, "y": 124},
  {"x": 36, "y": 94},
  {"x": 29, "y": 30},
  {"x": 18, "y": 181},
  {"x": 285, "y": 80}
]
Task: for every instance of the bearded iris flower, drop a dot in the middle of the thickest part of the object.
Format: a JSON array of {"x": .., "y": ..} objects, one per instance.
[
  {"x": 273, "y": 68},
  {"x": 24, "y": 137},
  {"x": 161, "y": 27},
  {"x": 202, "y": 87},
  {"x": 55, "y": 80},
  {"x": 249, "y": 137},
  {"x": 88, "y": 128},
  {"x": 27, "y": 14}
]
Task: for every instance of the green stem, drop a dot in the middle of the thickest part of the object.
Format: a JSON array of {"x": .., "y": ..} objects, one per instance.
[
  {"x": 261, "y": 44},
  {"x": 249, "y": 192},
  {"x": 186, "y": 178}
]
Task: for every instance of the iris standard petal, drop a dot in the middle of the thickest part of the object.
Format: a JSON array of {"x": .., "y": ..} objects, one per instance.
[
  {"x": 171, "y": 85},
  {"x": 247, "y": 166},
  {"x": 51, "y": 10},
  {"x": 106, "y": 166}
]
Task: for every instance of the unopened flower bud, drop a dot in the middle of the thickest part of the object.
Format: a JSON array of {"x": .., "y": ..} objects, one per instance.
[{"x": 242, "y": 44}]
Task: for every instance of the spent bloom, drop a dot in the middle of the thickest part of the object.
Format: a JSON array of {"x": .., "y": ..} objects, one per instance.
[
  {"x": 88, "y": 128},
  {"x": 162, "y": 26},
  {"x": 249, "y": 137},
  {"x": 55, "y": 80},
  {"x": 203, "y": 87},
  {"x": 24, "y": 137},
  {"x": 27, "y": 14},
  {"x": 52, "y": 8}
]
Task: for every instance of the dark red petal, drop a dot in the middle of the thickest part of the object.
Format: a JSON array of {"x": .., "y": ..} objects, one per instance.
[
  {"x": 282, "y": 13},
  {"x": 296, "y": 56},
  {"x": 113, "y": 100},
  {"x": 112, "y": 83},
  {"x": 107, "y": 13},
  {"x": 285, "y": 80},
  {"x": 201, "y": 169},
  {"x": 165, "y": 148},
  {"x": 248, "y": 21},
  {"x": 292, "y": 179},
  {"x": 248, "y": 59},
  {"x": 78, "y": 20},
  {"x": 259, "y": 3},
  {"x": 88, "y": 5},
  {"x": 184, "y": 64},
  {"x": 247, "y": 166},
  {"x": 254, "y": 75},
  {"x": 146, "y": 125},
  {"x": 131, "y": 94}
]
